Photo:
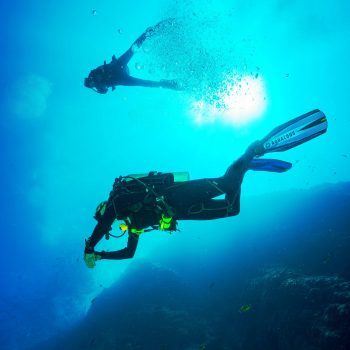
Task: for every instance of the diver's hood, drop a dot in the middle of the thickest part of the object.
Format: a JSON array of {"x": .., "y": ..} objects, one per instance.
[{"x": 95, "y": 80}]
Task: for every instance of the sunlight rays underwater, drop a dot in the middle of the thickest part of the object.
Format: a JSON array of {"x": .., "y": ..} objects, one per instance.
[{"x": 246, "y": 67}]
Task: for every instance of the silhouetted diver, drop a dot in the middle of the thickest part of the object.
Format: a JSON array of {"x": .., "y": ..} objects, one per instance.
[{"x": 109, "y": 75}]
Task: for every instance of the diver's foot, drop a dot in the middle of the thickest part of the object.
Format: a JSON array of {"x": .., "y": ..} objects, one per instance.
[
  {"x": 256, "y": 149},
  {"x": 170, "y": 84}
]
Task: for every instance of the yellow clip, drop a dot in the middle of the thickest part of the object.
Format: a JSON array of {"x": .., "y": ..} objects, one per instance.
[{"x": 123, "y": 227}]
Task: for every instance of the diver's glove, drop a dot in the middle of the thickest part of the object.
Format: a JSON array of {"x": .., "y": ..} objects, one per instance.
[
  {"x": 90, "y": 259},
  {"x": 90, "y": 256}
]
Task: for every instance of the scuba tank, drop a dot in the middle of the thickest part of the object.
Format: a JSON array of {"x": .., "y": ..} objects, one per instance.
[
  {"x": 132, "y": 192},
  {"x": 179, "y": 176},
  {"x": 152, "y": 182},
  {"x": 140, "y": 182},
  {"x": 135, "y": 192}
]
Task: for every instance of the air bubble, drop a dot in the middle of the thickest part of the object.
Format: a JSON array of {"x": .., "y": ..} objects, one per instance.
[{"x": 138, "y": 66}]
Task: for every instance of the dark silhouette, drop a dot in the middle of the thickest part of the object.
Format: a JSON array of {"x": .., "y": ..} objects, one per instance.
[{"x": 109, "y": 75}]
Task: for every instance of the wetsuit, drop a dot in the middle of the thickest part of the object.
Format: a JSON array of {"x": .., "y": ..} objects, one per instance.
[
  {"x": 191, "y": 200},
  {"x": 109, "y": 75}
]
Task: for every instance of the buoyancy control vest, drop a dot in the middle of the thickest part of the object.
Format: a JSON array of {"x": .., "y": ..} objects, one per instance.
[{"x": 132, "y": 192}]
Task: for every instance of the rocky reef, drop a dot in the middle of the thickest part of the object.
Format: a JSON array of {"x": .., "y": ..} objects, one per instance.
[{"x": 291, "y": 292}]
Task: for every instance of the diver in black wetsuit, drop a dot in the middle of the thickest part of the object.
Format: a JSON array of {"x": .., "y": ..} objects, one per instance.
[
  {"x": 109, "y": 75},
  {"x": 157, "y": 201}
]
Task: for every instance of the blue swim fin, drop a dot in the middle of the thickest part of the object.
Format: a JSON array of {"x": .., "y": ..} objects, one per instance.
[
  {"x": 295, "y": 132},
  {"x": 272, "y": 165}
]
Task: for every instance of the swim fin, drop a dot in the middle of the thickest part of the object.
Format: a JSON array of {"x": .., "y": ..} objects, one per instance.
[
  {"x": 272, "y": 165},
  {"x": 295, "y": 132}
]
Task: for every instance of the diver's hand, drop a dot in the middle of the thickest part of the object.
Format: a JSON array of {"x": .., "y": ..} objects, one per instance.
[
  {"x": 90, "y": 259},
  {"x": 102, "y": 89},
  {"x": 90, "y": 256}
]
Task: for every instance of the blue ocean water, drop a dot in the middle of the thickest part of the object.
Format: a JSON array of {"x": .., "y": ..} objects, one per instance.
[{"x": 247, "y": 66}]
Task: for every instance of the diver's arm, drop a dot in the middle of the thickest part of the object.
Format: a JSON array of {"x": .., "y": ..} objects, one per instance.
[
  {"x": 99, "y": 231},
  {"x": 90, "y": 256},
  {"x": 126, "y": 253},
  {"x": 102, "y": 227}
]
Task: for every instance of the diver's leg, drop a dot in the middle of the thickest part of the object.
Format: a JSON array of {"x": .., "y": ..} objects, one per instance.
[
  {"x": 233, "y": 177},
  {"x": 131, "y": 81},
  {"x": 193, "y": 200},
  {"x": 185, "y": 194},
  {"x": 126, "y": 57},
  {"x": 171, "y": 84},
  {"x": 188, "y": 200},
  {"x": 211, "y": 209},
  {"x": 127, "y": 80},
  {"x": 152, "y": 30},
  {"x": 228, "y": 184},
  {"x": 198, "y": 193}
]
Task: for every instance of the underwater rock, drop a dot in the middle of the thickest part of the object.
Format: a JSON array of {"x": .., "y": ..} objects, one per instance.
[
  {"x": 298, "y": 311},
  {"x": 149, "y": 308},
  {"x": 287, "y": 288}
]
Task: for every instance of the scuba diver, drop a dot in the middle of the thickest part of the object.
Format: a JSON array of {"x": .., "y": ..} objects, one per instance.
[
  {"x": 109, "y": 75},
  {"x": 157, "y": 201}
]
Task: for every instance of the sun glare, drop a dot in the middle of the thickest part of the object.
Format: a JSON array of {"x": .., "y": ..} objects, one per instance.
[{"x": 239, "y": 101}]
